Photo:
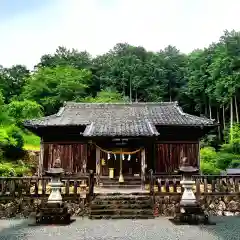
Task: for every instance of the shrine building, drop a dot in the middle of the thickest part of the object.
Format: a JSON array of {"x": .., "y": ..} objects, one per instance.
[{"x": 119, "y": 139}]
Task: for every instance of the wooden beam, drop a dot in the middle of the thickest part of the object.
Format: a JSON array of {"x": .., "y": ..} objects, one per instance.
[
  {"x": 41, "y": 157},
  {"x": 161, "y": 142}
]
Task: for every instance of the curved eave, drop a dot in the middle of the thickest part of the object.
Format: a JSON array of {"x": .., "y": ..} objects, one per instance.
[{"x": 189, "y": 125}]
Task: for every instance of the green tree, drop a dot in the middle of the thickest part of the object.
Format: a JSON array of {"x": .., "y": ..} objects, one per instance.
[
  {"x": 51, "y": 87},
  {"x": 106, "y": 96},
  {"x": 65, "y": 57},
  {"x": 22, "y": 110},
  {"x": 12, "y": 81}
]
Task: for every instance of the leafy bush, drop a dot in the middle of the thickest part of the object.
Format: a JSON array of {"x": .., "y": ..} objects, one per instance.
[
  {"x": 208, "y": 154},
  {"x": 13, "y": 170},
  {"x": 7, "y": 170},
  {"x": 209, "y": 168},
  {"x": 208, "y": 161},
  {"x": 11, "y": 142},
  {"x": 224, "y": 160}
]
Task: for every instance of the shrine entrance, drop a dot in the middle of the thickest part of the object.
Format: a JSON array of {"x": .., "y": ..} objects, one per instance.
[
  {"x": 129, "y": 163},
  {"x": 120, "y": 163}
]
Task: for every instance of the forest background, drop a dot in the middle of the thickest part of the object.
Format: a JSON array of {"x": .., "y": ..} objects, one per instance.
[{"x": 205, "y": 82}]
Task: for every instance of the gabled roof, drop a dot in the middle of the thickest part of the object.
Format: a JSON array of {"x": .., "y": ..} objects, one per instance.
[{"x": 120, "y": 119}]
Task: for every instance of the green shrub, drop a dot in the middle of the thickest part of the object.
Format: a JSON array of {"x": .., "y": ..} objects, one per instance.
[
  {"x": 209, "y": 168},
  {"x": 11, "y": 142},
  {"x": 8, "y": 169},
  {"x": 235, "y": 163},
  {"x": 224, "y": 160},
  {"x": 208, "y": 154}
]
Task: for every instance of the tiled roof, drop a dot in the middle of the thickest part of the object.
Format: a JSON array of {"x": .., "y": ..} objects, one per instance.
[
  {"x": 120, "y": 119},
  {"x": 232, "y": 171}
]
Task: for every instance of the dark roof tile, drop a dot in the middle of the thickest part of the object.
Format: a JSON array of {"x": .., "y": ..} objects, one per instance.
[{"x": 120, "y": 118}]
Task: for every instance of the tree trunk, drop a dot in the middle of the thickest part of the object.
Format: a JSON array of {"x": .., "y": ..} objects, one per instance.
[
  {"x": 210, "y": 110},
  {"x": 236, "y": 109},
  {"x": 169, "y": 91},
  {"x": 136, "y": 97},
  {"x": 231, "y": 120},
  {"x": 130, "y": 89},
  {"x": 224, "y": 122},
  {"x": 219, "y": 127},
  {"x": 206, "y": 111},
  {"x": 205, "y": 105}
]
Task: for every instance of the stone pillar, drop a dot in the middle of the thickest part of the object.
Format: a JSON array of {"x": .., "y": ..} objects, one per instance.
[
  {"x": 188, "y": 197},
  {"x": 55, "y": 196}
]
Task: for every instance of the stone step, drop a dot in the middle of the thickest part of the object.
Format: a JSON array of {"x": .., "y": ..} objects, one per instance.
[
  {"x": 117, "y": 182},
  {"x": 122, "y": 206},
  {"x": 126, "y": 178},
  {"x": 123, "y": 194},
  {"x": 120, "y": 202},
  {"x": 117, "y": 185},
  {"x": 121, "y": 211},
  {"x": 121, "y": 216}
]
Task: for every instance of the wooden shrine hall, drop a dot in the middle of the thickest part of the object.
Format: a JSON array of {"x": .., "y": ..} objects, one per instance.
[{"x": 119, "y": 139}]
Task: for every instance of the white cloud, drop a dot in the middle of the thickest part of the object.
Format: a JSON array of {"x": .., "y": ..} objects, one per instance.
[{"x": 97, "y": 25}]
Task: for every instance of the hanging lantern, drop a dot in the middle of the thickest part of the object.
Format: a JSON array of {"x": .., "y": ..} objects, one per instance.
[
  {"x": 129, "y": 157},
  {"x": 123, "y": 157},
  {"x": 109, "y": 156}
]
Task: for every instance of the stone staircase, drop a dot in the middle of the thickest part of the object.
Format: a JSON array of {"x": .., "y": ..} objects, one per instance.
[{"x": 121, "y": 206}]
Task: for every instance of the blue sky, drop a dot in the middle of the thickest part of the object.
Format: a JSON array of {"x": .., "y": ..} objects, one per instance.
[
  {"x": 16, "y": 8},
  {"x": 31, "y": 28}
]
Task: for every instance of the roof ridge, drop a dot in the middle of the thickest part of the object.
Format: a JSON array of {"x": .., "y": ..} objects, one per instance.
[{"x": 76, "y": 104}]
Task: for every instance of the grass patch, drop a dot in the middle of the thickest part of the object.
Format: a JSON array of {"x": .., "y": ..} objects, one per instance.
[
  {"x": 31, "y": 147},
  {"x": 31, "y": 142}
]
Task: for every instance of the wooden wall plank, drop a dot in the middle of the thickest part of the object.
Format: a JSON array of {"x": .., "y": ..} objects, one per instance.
[
  {"x": 168, "y": 155},
  {"x": 72, "y": 156}
]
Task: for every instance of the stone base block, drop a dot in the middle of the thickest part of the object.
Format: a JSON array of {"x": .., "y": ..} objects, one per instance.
[
  {"x": 53, "y": 214},
  {"x": 192, "y": 215}
]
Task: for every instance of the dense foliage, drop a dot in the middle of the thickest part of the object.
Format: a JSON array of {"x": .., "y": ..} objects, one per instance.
[{"x": 204, "y": 82}]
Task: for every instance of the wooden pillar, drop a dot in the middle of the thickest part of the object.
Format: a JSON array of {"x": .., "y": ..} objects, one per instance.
[
  {"x": 154, "y": 149},
  {"x": 98, "y": 164},
  {"x": 199, "y": 160},
  {"x": 143, "y": 166},
  {"x": 40, "y": 161}
]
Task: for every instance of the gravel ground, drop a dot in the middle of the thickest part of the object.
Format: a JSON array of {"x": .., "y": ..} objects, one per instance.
[{"x": 226, "y": 228}]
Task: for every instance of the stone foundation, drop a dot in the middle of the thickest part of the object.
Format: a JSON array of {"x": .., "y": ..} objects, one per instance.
[
  {"x": 18, "y": 208},
  {"x": 165, "y": 206},
  {"x": 216, "y": 206}
]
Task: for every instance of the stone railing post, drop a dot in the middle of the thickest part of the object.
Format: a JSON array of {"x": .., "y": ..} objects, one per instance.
[
  {"x": 55, "y": 195},
  {"x": 188, "y": 197},
  {"x": 190, "y": 209}
]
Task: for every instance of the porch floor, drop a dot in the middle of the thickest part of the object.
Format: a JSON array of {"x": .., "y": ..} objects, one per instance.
[{"x": 100, "y": 189}]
